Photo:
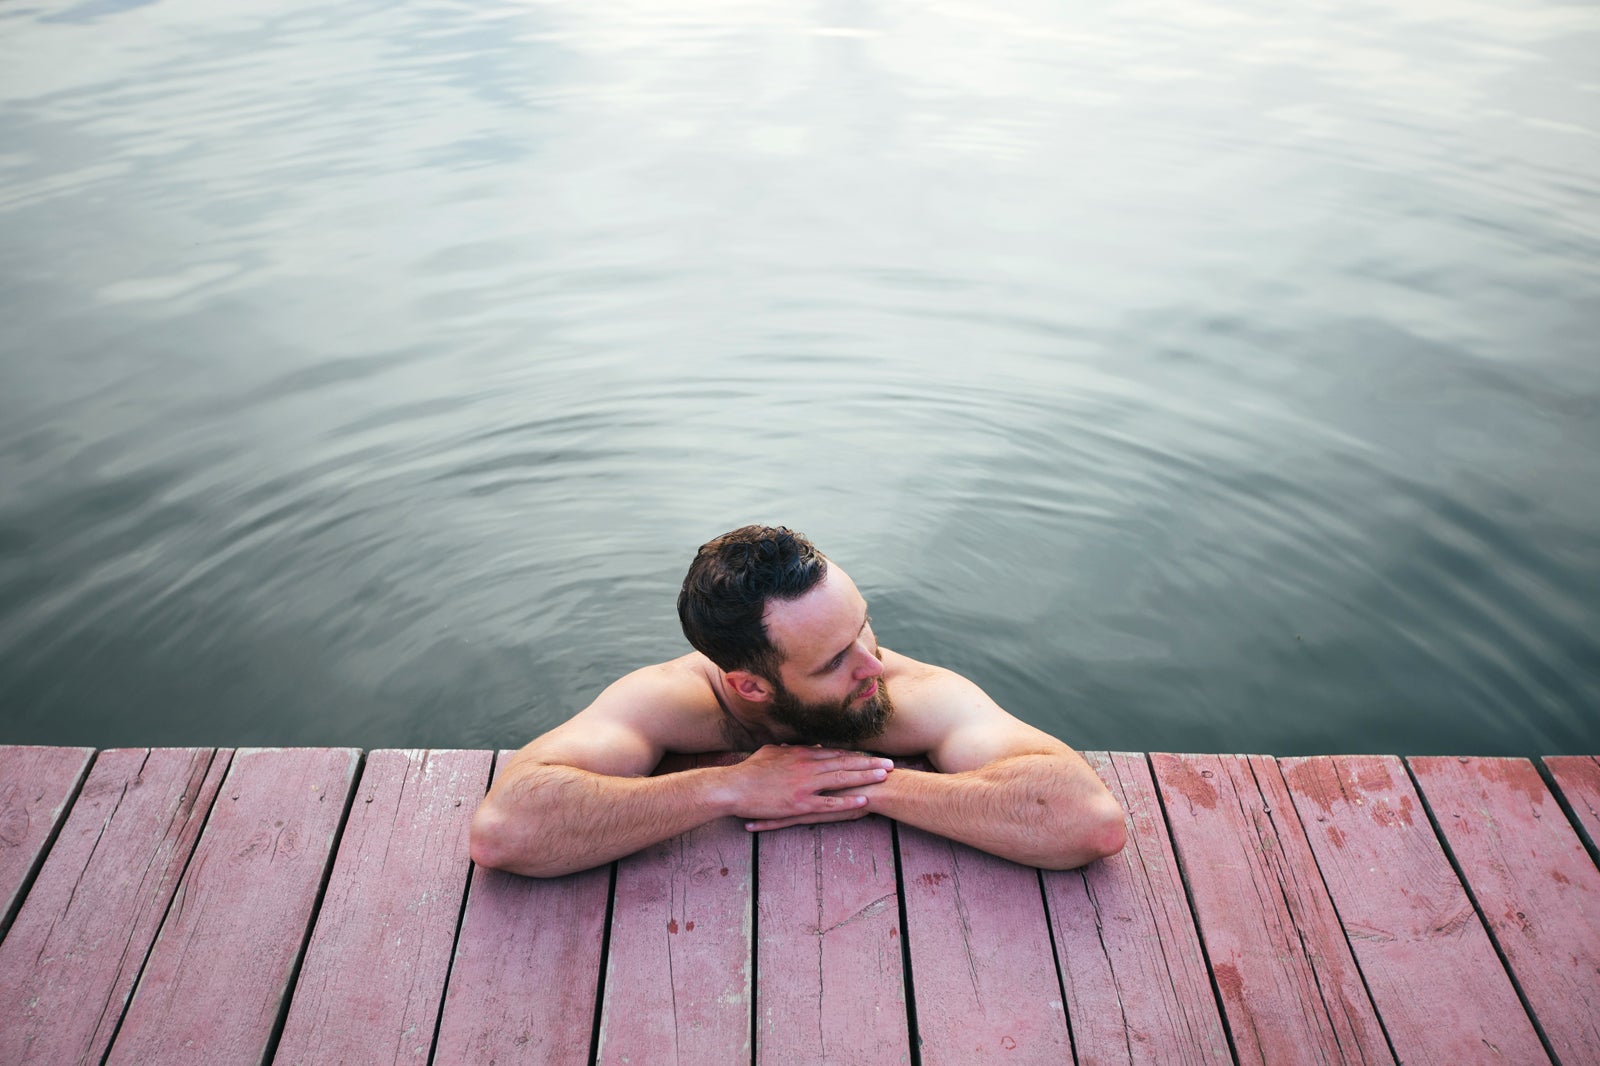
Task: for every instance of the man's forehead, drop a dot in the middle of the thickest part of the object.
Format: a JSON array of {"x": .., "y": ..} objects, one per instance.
[{"x": 829, "y": 613}]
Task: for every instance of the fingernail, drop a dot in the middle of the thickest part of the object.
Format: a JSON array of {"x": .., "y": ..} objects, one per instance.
[{"x": 880, "y": 774}]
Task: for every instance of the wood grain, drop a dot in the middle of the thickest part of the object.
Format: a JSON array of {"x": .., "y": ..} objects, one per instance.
[
  {"x": 168, "y": 917},
  {"x": 35, "y": 785},
  {"x": 678, "y": 981},
  {"x": 375, "y": 971},
  {"x": 1578, "y": 778},
  {"x": 830, "y": 979},
  {"x": 1533, "y": 882},
  {"x": 523, "y": 984},
  {"x": 1406, "y": 915},
  {"x": 1291, "y": 992},
  {"x": 1136, "y": 981},
  {"x": 982, "y": 972},
  {"x": 213, "y": 989},
  {"x": 75, "y": 952}
]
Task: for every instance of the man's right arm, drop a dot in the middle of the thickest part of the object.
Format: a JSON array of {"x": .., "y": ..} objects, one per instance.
[{"x": 578, "y": 796}]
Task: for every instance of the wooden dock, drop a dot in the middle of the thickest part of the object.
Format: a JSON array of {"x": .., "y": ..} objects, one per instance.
[{"x": 317, "y": 906}]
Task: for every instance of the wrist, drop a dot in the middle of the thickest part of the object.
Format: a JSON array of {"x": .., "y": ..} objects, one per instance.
[
  {"x": 717, "y": 791},
  {"x": 888, "y": 797}
]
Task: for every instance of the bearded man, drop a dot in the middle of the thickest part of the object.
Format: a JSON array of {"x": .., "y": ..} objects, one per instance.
[{"x": 786, "y": 666}]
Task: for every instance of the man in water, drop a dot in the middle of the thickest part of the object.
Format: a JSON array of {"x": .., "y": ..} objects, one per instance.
[{"x": 786, "y": 666}]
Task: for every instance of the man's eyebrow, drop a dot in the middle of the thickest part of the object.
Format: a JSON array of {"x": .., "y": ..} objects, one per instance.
[{"x": 825, "y": 667}]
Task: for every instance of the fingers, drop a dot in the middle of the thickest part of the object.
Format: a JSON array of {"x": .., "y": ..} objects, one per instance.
[
  {"x": 809, "y": 753},
  {"x": 852, "y": 778},
  {"x": 782, "y": 782},
  {"x": 840, "y": 759},
  {"x": 806, "y": 819},
  {"x": 854, "y": 761},
  {"x": 826, "y": 806}
]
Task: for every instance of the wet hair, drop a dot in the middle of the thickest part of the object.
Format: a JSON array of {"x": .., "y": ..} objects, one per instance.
[{"x": 729, "y": 584}]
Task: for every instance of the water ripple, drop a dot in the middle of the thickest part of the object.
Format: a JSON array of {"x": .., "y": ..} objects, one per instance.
[{"x": 1212, "y": 377}]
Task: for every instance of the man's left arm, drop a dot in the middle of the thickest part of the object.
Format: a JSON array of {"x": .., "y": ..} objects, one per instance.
[
  {"x": 1045, "y": 809},
  {"x": 1004, "y": 786}
]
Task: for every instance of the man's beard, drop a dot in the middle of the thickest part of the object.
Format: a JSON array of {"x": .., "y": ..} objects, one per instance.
[{"x": 833, "y": 725}]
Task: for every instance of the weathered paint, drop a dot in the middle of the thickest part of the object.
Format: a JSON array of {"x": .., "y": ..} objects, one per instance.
[
  {"x": 71, "y": 959},
  {"x": 831, "y": 986},
  {"x": 678, "y": 977},
  {"x": 982, "y": 970},
  {"x": 1135, "y": 978},
  {"x": 1407, "y": 917},
  {"x": 215, "y": 984},
  {"x": 375, "y": 970},
  {"x": 525, "y": 974},
  {"x": 1291, "y": 992},
  {"x": 35, "y": 784},
  {"x": 1535, "y": 884},
  {"x": 686, "y": 946}
]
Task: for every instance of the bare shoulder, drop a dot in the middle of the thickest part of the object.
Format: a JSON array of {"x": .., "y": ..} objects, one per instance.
[
  {"x": 933, "y": 697},
  {"x": 950, "y": 718},
  {"x": 929, "y": 687},
  {"x": 669, "y": 706}
]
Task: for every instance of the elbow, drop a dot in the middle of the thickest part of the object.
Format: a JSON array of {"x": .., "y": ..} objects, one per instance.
[
  {"x": 498, "y": 842},
  {"x": 1110, "y": 831},
  {"x": 1099, "y": 833},
  {"x": 486, "y": 840},
  {"x": 495, "y": 842}
]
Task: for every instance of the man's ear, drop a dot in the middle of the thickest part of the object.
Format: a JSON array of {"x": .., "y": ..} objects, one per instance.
[{"x": 749, "y": 686}]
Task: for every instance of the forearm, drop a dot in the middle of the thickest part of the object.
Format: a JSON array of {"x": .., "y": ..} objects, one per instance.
[
  {"x": 1031, "y": 809},
  {"x": 555, "y": 819}
]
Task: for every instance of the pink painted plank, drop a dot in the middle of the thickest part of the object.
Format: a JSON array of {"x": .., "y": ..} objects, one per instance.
[
  {"x": 72, "y": 957},
  {"x": 981, "y": 967},
  {"x": 375, "y": 970},
  {"x": 1406, "y": 916},
  {"x": 1534, "y": 884},
  {"x": 1136, "y": 981},
  {"x": 1578, "y": 778},
  {"x": 1291, "y": 992},
  {"x": 830, "y": 981},
  {"x": 526, "y": 970},
  {"x": 678, "y": 975},
  {"x": 213, "y": 987},
  {"x": 35, "y": 785}
]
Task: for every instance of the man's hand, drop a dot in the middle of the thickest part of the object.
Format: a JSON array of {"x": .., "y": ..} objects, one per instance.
[
  {"x": 782, "y": 785},
  {"x": 812, "y": 819}
]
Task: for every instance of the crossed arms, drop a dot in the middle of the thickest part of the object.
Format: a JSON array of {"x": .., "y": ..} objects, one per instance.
[{"x": 577, "y": 797}]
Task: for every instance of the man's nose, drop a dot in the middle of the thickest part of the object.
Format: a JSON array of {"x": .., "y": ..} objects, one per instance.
[{"x": 871, "y": 666}]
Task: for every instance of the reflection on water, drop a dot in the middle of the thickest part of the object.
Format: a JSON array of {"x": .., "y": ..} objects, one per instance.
[{"x": 1194, "y": 376}]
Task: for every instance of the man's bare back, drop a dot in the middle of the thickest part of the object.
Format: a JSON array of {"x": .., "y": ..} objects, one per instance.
[{"x": 804, "y": 685}]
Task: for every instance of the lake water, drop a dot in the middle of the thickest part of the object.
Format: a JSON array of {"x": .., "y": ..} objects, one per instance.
[{"x": 1195, "y": 376}]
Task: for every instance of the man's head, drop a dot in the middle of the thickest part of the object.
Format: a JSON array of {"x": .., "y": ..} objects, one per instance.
[
  {"x": 732, "y": 579},
  {"x": 789, "y": 632}
]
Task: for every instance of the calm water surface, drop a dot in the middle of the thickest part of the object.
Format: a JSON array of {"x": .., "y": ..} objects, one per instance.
[{"x": 1195, "y": 376}]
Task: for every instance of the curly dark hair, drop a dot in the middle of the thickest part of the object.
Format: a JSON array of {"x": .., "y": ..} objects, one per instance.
[{"x": 726, "y": 591}]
